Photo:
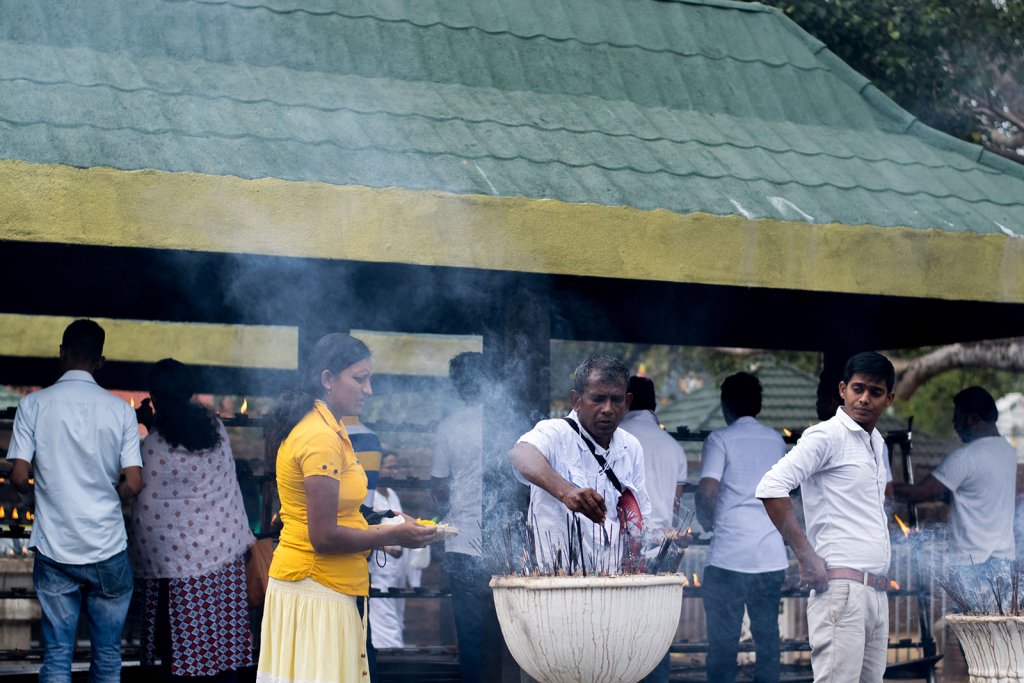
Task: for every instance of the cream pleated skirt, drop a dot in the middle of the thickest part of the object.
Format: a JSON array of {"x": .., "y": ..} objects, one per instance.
[{"x": 311, "y": 634}]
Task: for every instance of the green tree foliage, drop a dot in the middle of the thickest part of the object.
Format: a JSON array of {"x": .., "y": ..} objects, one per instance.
[
  {"x": 932, "y": 404},
  {"x": 957, "y": 66}
]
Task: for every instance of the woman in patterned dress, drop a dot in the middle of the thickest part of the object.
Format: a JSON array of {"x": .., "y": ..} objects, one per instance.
[{"x": 188, "y": 534}]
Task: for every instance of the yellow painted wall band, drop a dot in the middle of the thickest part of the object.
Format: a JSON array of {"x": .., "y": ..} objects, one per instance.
[
  {"x": 143, "y": 341},
  {"x": 189, "y": 211}
]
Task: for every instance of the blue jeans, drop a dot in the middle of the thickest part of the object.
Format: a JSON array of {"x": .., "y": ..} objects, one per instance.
[
  {"x": 725, "y": 595},
  {"x": 107, "y": 589}
]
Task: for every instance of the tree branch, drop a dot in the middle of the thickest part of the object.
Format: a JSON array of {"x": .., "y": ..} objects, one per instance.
[{"x": 996, "y": 354}]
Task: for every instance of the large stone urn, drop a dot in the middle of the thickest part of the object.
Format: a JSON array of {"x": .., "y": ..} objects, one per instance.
[
  {"x": 993, "y": 647},
  {"x": 607, "y": 629}
]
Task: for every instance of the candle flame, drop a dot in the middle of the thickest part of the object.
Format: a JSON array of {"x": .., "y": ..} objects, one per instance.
[
  {"x": 14, "y": 513},
  {"x": 894, "y": 586},
  {"x": 131, "y": 401},
  {"x": 903, "y": 526},
  {"x": 29, "y": 516},
  {"x": 31, "y": 481},
  {"x": 3, "y": 512},
  {"x": 696, "y": 581},
  {"x": 245, "y": 406},
  {"x": 786, "y": 432}
]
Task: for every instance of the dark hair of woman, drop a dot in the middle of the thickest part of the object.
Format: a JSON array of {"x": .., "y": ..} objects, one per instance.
[
  {"x": 334, "y": 352},
  {"x": 180, "y": 421}
]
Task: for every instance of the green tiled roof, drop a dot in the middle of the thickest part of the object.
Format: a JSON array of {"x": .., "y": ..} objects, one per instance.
[{"x": 721, "y": 107}]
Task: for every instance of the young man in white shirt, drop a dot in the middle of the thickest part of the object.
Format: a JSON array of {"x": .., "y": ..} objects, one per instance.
[
  {"x": 844, "y": 557},
  {"x": 456, "y": 473},
  {"x": 562, "y": 462},
  {"x": 79, "y": 439},
  {"x": 982, "y": 478},
  {"x": 746, "y": 561}
]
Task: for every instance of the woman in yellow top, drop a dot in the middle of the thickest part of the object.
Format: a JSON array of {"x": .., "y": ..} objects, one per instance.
[{"x": 312, "y": 630}]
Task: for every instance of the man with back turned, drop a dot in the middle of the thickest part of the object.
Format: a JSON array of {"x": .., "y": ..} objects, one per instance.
[{"x": 79, "y": 440}]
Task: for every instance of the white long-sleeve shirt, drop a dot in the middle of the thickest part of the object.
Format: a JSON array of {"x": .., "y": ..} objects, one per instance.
[{"x": 841, "y": 472}]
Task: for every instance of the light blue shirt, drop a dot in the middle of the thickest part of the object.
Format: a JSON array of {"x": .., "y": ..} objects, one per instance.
[
  {"x": 78, "y": 438},
  {"x": 737, "y": 457}
]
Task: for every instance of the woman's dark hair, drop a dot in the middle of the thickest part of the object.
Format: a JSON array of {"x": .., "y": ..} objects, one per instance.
[
  {"x": 334, "y": 352},
  {"x": 180, "y": 421}
]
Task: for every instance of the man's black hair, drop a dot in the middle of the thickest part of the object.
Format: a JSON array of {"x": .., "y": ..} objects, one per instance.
[
  {"x": 83, "y": 340},
  {"x": 741, "y": 394},
  {"x": 609, "y": 371},
  {"x": 466, "y": 373},
  {"x": 977, "y": 401},
  {"x": 873, "y": 366},
  {"x": 642, "y": 389}
]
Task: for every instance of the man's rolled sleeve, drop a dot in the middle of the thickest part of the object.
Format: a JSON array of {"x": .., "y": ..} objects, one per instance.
[
  {"x": 543, "y": 438},
  {"x": 795, "y": 467},
  {"x": 131, "y": 455},
  {"x": 712, "y": 460},
  {"x": 23, "y": 436}
]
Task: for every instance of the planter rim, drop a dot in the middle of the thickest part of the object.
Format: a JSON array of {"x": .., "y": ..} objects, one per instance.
[
  {"x": 983, "y": 617},
  {"x": 581, "y": 582}
]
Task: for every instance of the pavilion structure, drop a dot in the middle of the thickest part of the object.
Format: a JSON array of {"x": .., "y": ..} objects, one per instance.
[{"x": 229, "y": 179}]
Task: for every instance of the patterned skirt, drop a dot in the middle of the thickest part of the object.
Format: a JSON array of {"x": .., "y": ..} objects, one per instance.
[{"x": 202, "y": 620}]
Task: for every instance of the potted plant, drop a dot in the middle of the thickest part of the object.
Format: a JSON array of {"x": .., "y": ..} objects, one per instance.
[{"x": 990, "y": 619}]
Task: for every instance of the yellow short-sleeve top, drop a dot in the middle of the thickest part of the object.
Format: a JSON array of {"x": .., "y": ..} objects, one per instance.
[{"x": 319, "y": 447}]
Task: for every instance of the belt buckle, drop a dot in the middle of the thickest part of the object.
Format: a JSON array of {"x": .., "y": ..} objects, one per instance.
[{"x": 866, "y": 579}]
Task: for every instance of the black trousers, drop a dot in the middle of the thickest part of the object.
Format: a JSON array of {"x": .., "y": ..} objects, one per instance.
[{"x": 726, "y": 593}]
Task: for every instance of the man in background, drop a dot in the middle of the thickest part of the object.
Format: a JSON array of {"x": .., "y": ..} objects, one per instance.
[
  {"x": 664, "y": 457},
  {"x": 457, "y": 476},
  {"x": 981, "y": 476},
  {"x": 664, "y": 471},
  {"x": 746, "y": 561},
  {"x": 79, "y": 440}
]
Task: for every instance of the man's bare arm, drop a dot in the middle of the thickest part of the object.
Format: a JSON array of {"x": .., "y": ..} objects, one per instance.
[
  {"x": 20, "y": 476},
  {"x": 707, "y": 499},
  {"x": 532, "y": 464},
  {"x": 132, "y": 484},
  {"x": 929, "y": 488},
  {"x": 812, "y": 567}
]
